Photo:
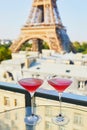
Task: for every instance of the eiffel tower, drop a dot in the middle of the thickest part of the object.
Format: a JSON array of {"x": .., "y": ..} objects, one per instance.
[{"x": 44, "y": 24}]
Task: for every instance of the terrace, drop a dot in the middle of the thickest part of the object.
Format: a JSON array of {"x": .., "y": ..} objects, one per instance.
[
  {"x": 15, "y": 101},
  {"x": 74, "y": 106}
]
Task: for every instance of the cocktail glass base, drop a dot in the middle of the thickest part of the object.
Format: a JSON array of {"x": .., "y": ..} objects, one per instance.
[
  {"x": 60, "y": 120},
  {"x": 32, "y": 120}
]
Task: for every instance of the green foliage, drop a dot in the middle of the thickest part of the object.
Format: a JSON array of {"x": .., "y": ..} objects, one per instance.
[
  {"x": 8, "y": 45},
  {"x": 26, "y": 45},
  {"x": 45, "y": 46},
  {"x": 80, "y": 47},
  {"x": 76, "y": 45},
  {"x": 5, "y": 53}
]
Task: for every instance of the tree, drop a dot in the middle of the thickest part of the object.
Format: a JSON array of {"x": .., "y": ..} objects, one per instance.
[
  {"x": 5, "y": 53},
  {"x": 26, "y": 45},
  {"x": 80, "y": 47},
  {"x": 76, "y": 45},
  {"x": 45, "y": 45}
]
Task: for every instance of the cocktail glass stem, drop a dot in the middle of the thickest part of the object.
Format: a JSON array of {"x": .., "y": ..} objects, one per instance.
[
  {"x": 32, "y": 105},
  {"x": 32, "y": 119},
  {"x": 60, "y": 95}
]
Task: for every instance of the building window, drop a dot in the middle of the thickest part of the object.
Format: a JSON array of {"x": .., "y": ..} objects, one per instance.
[
  {"x": 15, "y": 102},
  {"x": 78, "y": 120},
  {"x": 81, "y": 85},
  {"x": 6, "y": 101}
]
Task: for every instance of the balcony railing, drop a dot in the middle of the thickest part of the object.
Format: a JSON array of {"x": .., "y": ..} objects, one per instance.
[
  {"x": 47, "y": 94},
  {"x": 74, "y": 108}
]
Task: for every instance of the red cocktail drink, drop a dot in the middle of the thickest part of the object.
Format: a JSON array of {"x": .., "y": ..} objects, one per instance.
[
  {"x": 60, "y": 84},
  {"x": 31, "y": 84}
]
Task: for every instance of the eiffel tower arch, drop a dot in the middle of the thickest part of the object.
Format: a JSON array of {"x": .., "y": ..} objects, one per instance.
[{"x": 44, "y": 24}]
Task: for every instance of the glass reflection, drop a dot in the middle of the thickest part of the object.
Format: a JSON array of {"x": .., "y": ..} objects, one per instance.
[{"x": 77, "y": 115}]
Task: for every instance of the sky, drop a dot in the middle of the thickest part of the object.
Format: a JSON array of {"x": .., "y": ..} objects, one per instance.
[{"x": 14, "y": 14}]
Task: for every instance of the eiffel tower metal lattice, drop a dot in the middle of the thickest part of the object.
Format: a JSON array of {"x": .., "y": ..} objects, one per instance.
[{"x": 44, "y": 24}]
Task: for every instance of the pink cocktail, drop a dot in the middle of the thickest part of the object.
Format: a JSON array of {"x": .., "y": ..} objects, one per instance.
[
  {"x": 60, "y": 84},
  {"x": 31, "y": 85}
]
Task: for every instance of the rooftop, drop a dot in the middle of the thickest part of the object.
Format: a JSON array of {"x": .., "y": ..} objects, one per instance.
[
  {"x": 50, "y": 64},
  {"x": 74, "y": 99}
]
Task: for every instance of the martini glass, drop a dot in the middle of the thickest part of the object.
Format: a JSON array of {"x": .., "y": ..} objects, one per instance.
[
  {"x": 31, "y": 85},
  {"x": 60, "y": 84}
]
